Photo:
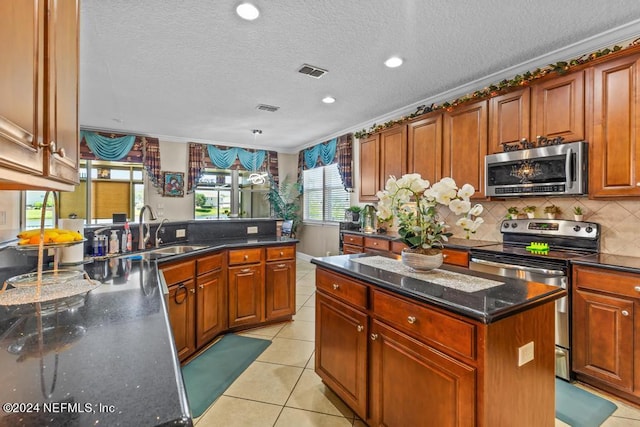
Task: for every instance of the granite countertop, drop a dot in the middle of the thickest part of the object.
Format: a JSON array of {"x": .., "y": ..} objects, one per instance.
[
  {"x": 490, "y": 299},
  {"x": 615, "y": 262},
  {"x": 107, "y": 357}
]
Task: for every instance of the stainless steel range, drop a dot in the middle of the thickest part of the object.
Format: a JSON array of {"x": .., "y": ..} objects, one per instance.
[{"x": 566, "y": 240}]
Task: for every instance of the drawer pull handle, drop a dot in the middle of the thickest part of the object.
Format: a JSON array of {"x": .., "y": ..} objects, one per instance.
[
  {"x": 411, "y": 319},
  {"x": 360, "y": 328},
  {"x": 374, "y": 337},
  {"x": 246, "y": 257},
  {"x": 336, "y": 286},
  {"x": 636, "y": 288},
  {"x": 281, "y": 265},
  {"x": 245, "y": 270},
  {"x": 281, "y": 253},
  {"x": 625, "y": 313},
  {"x": 186, "y": 292}
]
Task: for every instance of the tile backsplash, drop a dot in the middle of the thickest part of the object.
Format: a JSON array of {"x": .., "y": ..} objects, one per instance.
[{"x": 619, "y": 220}]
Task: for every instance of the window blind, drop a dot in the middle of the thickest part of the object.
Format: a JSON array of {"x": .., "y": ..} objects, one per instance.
[{"x": 325, "y": 198}]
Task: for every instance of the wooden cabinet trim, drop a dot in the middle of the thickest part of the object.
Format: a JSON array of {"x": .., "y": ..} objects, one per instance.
[
  {"x": 209, "y": 263},
  {"x": 178, "y": 272}
]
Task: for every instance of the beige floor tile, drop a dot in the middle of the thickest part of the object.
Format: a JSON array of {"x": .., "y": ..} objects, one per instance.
[
  {"x": 312, "y": 395},
  {"x": 302, "y": 299},
  {"x": 288, "y": 352},
  {"x": 311, "y": 302},
  {"x": 561, "y": 424},
  {"x": 308, "y": 280},
  {"x": 305, "y": 290},
  {"x": 265, "y": 331},
  {"x": 299, "y": 330},
  {"x": 308, "y": 314},
  {"x": 359, "y": 423},
  {"x": 311, "y": 364},
  {"x": 233, "y": 412},
  {"x": 265, "y": 382},
  {"x": 620, "y": 422},
  {"x": 299, "y": 418}
]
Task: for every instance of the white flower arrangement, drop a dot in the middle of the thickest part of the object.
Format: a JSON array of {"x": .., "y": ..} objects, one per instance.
[{"x": 413, "y": 202}]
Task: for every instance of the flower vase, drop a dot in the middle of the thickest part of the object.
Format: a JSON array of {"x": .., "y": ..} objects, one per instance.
[{"x": 422, "y": 262}]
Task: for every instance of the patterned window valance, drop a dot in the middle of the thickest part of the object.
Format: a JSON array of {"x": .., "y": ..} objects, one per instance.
[
  {"x": 224, "y": 158},
  {"x": 338, "y": 150}
]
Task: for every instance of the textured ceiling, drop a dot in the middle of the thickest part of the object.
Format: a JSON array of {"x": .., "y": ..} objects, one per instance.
[{"x": 192, "y": 70}]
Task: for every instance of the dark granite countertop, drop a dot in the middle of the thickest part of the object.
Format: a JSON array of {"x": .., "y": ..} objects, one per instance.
[
  {"x": 615, "y": 262},
  {"x": 107, "y": 357},
  {"x": 486, "y": 306}
]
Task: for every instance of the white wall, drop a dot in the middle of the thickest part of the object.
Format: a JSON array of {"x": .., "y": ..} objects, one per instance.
[{"x": 10, "y": 211}]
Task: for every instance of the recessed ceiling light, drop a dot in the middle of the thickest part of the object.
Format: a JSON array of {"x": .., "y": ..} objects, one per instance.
[
  {"x": 328, "y": 100},
  {"x": 393, "y": 62},
  {"x": 247, "y": 11}
]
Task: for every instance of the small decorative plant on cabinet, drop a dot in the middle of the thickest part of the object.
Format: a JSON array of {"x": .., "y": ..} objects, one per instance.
[
  {"x": 552, "y": 211},
  {"x": 578, "y": 213},
  {"x": 512, "y": 213},
  {"x": 530, "y": 211}
]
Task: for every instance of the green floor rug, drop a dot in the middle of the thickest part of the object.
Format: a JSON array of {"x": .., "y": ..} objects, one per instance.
[
  {"x": 579, "y": 408},
  {"x": 207, "y": 376}
]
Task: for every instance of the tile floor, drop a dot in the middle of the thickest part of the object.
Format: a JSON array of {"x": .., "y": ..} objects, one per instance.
[{"x": 281, "y": 389}]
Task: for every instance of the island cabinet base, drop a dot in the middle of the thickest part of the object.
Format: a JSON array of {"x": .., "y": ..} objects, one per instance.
[{"x": 401, "y": 362}]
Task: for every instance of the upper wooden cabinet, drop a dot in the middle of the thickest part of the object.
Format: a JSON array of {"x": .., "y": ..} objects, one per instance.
[
  {"x": 39, "y": 95},
  {"x": 393, "y": 154},
  {"x": 369, "y": 167},
  {"x": 615, "y": 140},
  {"x": 465, "y": 145},
  {"x": 557, "y": 107},
  {"x": 509, "y": 119},
  {"x": 424, "y": 151}
]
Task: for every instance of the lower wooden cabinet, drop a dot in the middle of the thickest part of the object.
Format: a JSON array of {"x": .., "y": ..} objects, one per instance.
[
  {"x": 211, "y": 306},
  {"x": 341, "y": 351},
  {"x": 606, "y": 330},
  {"x": 182, "y": 315},
  {"x": 280, "y": 289},
  {"x": 401, "y": 365},
  {"x": 246, "y": 295}
]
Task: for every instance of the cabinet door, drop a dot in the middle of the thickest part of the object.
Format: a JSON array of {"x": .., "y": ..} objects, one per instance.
[
  {"x": 615, "y": 144},
  {"x": 212, "y": 306},
  {"x": 246, "y": 295},
  {"x": 509, "y": 119},
  {"x": 341, "y": 351},
  {"x": 557, "y": 107},
  {"x": 465, "y": 145},
  {"x": 21, "y": 85},
  {"x": 182, "y": 313},
  {"x": 400, "y": 366},
  {"x": 424, "y": 152},
  {"x": 393, "y": 154},
  {"x": 369, "y": 167},
  {"x": 280, "y": 289},
  {"x": 62, "y": 130},
  {"x": 603, "y": 338}
]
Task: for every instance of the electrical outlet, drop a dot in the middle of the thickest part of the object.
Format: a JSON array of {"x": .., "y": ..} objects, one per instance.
[
  {"x": 525, "y": 353},
  {"x": 181, "y": 232},
  {"x": 252, "y": 230}
]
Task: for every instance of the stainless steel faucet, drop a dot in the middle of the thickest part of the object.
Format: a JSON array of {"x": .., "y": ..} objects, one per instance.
[
  {"x": 143, "y": 235},
  {"x": 158, "y": 239}
]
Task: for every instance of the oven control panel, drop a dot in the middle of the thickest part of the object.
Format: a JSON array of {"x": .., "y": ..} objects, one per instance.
[{"x": 551, "y": 227}]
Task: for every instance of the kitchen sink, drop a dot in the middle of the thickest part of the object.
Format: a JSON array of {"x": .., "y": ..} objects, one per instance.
[{"x": 175, "y": 250}]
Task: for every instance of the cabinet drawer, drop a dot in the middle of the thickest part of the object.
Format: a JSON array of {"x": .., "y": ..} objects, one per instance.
[
  {"x": 245, "y": 256},
  {"x": 281, "y": 252},
  {"x": 342, "y": 288},
  {"x": 350, "y": 249},
  {"x": 426, "y": 324},
  {"x": 376, "y": 243},
  {"x": 177, "y": 273},
  {"x": 456, "y": 257},
  {"x": 397, "y": 247},
  {"x": 599, "y": 279},
  {"x": 352, "y": 239},
  {"x": 209, "y": 263}
]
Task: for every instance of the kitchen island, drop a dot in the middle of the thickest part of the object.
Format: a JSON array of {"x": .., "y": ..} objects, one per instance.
[
  {"x": 106, "y": 357},
  {"x": 444, "y": 348}
]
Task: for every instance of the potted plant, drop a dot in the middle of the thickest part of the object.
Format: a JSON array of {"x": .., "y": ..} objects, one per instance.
[
  {"x": 414, "y": 202},
  {"x": 552, "y": 211},
  {"x": 285, "y": 201},
  {"x": 530, "y": 211},
  {"x": 512, "y": 213},
  {"x": 354, "y": 211},
  {"x": 578, "y": 213}
]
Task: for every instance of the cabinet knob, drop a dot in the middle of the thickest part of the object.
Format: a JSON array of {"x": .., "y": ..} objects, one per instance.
[
  {"x": 411, "y": 319},
  {"x": 445, "y": 256},
  {"x": 625, "y": 313},
  {"x": 373, "y": 337},
  {"x": 636, "y": 288},
  {"x": 193, "y": 290},
  {"x": 246, "y": 257},
  {"x": 281, "y": 253},
  {"x": 360, "y": 328},
  {"x": 336, "y": 286},
  {"x": 201, "y": 286}
]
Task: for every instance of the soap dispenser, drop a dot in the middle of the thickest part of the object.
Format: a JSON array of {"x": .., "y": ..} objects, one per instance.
[{"x": 113, "y": 242}]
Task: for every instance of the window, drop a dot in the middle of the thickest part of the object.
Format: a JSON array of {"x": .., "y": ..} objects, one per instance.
[{"x": 325, "y": 199}]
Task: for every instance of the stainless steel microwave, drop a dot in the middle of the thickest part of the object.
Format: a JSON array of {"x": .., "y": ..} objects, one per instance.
[{"x": 552, "y": 170}]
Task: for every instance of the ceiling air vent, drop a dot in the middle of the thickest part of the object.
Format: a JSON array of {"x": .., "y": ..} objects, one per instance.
[
  {"x": 269, "y": 108},
  {"x": 312, "y": 71}
]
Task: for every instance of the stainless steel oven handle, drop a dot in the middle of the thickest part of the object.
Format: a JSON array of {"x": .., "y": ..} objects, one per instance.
[
  {"x": 519, "y": 267},
  {"x": 568, "y": 165}
]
